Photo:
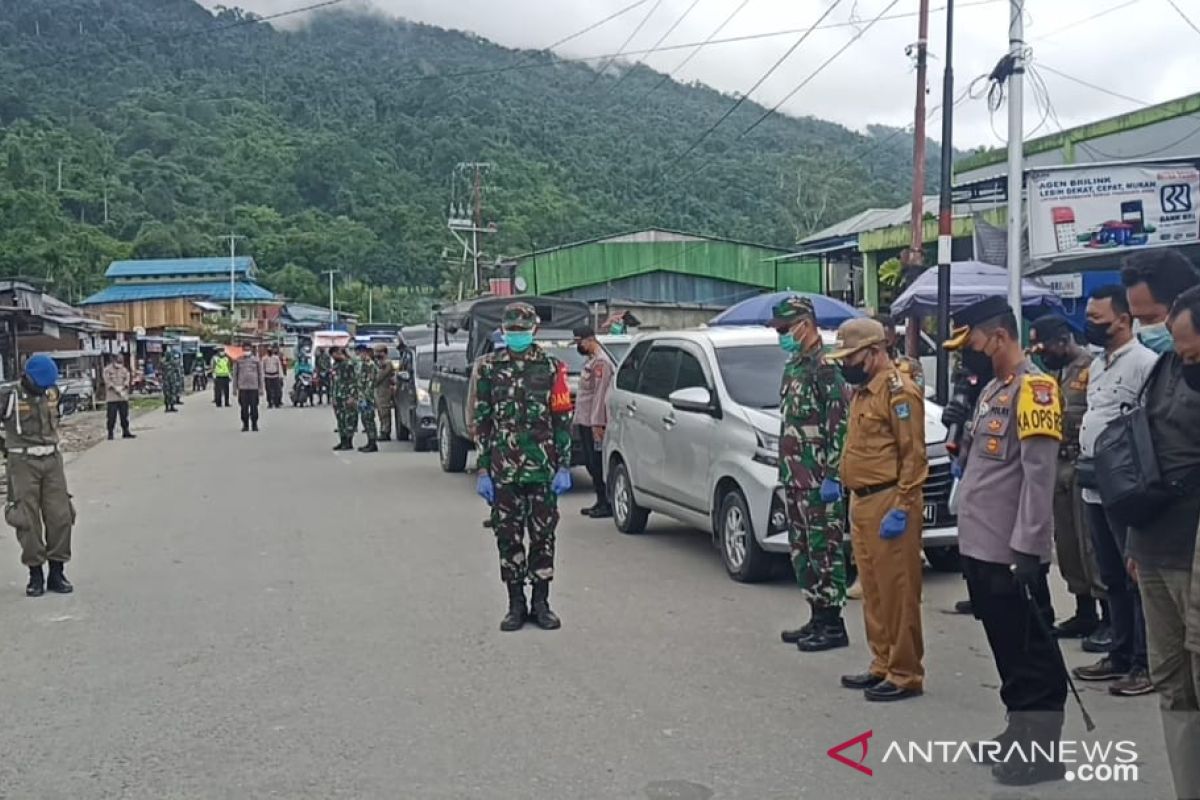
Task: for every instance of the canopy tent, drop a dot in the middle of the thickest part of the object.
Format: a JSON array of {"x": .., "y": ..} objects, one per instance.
[
  {"x": 970, "y": 282},
  {"x": 757, "y": 310}
]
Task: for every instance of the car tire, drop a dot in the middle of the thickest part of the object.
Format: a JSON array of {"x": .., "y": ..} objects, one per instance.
[
  {"x": 628, "y": 516},
  {"x": 944, "y": 559},
  {"x": 744, "y": 559},
  {"x": 452, "y": 450},
  {"x": 422, "y": 442}
]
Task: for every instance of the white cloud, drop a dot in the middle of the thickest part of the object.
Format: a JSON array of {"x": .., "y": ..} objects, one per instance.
[{"x": 1142, "y": 49}]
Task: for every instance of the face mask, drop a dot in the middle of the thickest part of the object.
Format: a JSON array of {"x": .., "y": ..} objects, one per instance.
[
  {"x": 616, "y": 328},
  {"x": 788, "y": 342},
  {"x": 1157, "y": 336},
  {"x": 978, "y": 364},
  {"x": 1191, "y": 376},
  {"x": 855, "y": 374},
  {"x": 1097, "y": 334},
  {"x": 518, "y": 341},
  {"x": 583, "y": 351},
  {"x": 1054, "y": 361}
]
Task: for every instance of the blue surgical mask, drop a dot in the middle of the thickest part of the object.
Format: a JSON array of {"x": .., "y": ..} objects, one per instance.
[
  {"x": 788, "y": 342},
  {"x": 518, "y": 341},
  {"x": 1157, "y": 336}
]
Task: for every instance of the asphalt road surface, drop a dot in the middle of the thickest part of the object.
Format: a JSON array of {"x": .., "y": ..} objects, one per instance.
[{"x": 257, "y": 616}]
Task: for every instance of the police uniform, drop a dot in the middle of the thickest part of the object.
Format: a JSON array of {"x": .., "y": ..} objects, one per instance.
[
  {"x": 1009, "y": 458},
  {"x": 39, "y": 506},
  {"x": 884, "y": 467}
]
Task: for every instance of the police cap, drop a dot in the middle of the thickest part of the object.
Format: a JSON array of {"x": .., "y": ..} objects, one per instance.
[
  {"x": 978, "y": 313},
  {"x": 1047, "y": 329}
]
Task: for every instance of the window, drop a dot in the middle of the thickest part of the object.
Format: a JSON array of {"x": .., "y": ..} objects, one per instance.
[
  {"x": 691, "y": 374},
  {"x": 658, "y": 373},
  {"x": 627, "y": 376},
  {"x": 752, "y": 373}
]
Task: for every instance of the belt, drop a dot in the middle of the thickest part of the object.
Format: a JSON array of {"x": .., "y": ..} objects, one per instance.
[
  {"x": 37, "y": 450},
  {"x": 867, "y": 491}
]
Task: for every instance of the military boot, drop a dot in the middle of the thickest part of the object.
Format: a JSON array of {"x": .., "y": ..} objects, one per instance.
[
  {"x": 803, "y": 632},
  {"x": 539, "y": 609},
  {"x": 57, "y": 582},
  {"x": 385, "y": 437},
  {"x": 37, "y": 583},
  {"x": 369, "y": 447},
  {"x": 344, "y": 444},
  {"x": 828, "y": 633},
  {"x": 514, "y": 620}
]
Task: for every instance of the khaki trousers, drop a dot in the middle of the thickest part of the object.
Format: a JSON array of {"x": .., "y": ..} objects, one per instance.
[
  {"x": 890, "y": 573},
  {"x": 1072, "y": 537},
  {"x": 39, "y": 508}
]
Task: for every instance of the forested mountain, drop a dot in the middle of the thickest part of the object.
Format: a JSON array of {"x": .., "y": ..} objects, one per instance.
[{"x": 153, "y": 128}]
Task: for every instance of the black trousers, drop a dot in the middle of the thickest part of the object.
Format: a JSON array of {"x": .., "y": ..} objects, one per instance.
[
  {"x": 118, "y": 409},
  {"x": 1124, "y": 601},
  {"x": 1031, "y": 677},
  {"x": 594, "y": 461},
  {"x": 221, "y": 392},
  {"x": 248, "y": 400},
  {"x": 274, "y": 392}
]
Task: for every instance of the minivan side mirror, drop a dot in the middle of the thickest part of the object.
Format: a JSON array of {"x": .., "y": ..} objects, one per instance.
[{"x": 696, "y": 399}]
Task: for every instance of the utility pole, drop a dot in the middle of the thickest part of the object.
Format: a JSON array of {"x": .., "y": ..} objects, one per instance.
[
  {"x": 370, "y": 303},
  {"x": 233, "y": 237},
  {"x": 946, "y": 212},
  {"x": 916, "y": 248},
  {"x": 469, "y": 220},
  {"x": 1016, "y": 151},
  {"x": 332, "y": 313}
]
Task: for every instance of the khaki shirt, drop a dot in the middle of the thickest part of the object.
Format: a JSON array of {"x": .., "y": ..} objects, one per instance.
[
  {"x": 385, "y": 382},
  {"x": 30, "y": 420},
  {"x": 116, "y": 383},
  {"x": 1010, "y": 464},
  {"x": 1073, "y": 384},
  {"x": 885, "y": 442},
  {"x": 912, "y": 368}
]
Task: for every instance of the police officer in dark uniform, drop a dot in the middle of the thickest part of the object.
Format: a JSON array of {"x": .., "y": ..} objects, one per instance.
[{"x": 1005, "y": 530}]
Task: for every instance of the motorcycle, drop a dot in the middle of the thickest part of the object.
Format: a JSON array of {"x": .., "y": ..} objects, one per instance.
[{"x": 302, "y": 390}]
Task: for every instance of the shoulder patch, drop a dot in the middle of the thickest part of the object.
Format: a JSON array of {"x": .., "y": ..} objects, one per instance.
[
  {"x": 903, "y": 410},
  {"x": 1039, "y": 411}
]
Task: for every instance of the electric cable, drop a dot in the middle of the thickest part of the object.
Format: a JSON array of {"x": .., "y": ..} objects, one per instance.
[
  {"x": 1186, "y": 18},
  {"x": 632, "y": 36},
  {"x": 687, "y": 60},
  {"x": 679, "y": 21}
]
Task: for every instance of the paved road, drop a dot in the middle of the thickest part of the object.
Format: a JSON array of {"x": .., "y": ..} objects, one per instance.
[{"x": 257, "y": 616}]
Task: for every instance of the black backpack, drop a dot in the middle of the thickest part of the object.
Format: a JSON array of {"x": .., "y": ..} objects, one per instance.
[{"x": 1131, "y": 485}]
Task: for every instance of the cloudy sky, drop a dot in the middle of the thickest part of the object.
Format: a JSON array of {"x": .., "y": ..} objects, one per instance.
[{"x": 1141, "y": 49}]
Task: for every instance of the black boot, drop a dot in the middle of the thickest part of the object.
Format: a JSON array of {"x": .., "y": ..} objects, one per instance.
[
  {"x": 57, "y": 582},
  {"x": 539, "y": 609},
  {"x": 344, "y": 444},
  {"x": 829, "y": 633},
  {"x": 1021, "y": 772},
  {"x": 804, "y": 631},
  {"x": 988, "y": 753},
  {"x": 37, "y": 583},
  {"x": 602, "y": 510},
  {"x": 514, "y": 620},
  {"x": 387, "y": 437},
  {"x": 1083, "y": 624},
  {"x": 369, "y": 447}
]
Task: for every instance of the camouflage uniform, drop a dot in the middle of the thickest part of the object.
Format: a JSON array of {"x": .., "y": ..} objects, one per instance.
[
  {"x": 324, "y": 369},
  {"x": 523, "y": 439},
  {"x": 345, "y": 398},
  {"x": 813, "y": 430},
  {"x": 366, "y": 372},
  {"x": 172, "y": 378}
]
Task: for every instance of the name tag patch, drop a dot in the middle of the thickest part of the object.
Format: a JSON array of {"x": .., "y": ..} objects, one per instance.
[{"x": 1039, "y": 412}]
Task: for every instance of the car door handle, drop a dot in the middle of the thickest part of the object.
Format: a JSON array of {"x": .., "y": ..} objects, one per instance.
[
  {"x": 669, "y": 420},
  {"x": 631, "y": 407}
]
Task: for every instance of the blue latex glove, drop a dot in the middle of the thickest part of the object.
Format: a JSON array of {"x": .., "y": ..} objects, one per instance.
[
  {"x": 362, "y": 406},
  {"x": 562, "y": 481},
  {"x": 956, "y": 470},
  {"x": 831, "y": 490},
  {"x": 486, "y": 489},
  {"x": 893, "y": 524}
]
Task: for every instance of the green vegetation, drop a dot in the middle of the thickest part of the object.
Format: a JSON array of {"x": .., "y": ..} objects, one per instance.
[{"x": 332, "y": 147}]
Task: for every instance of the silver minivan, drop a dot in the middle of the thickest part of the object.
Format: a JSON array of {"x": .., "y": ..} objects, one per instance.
[{"x": 694, "y": 434}]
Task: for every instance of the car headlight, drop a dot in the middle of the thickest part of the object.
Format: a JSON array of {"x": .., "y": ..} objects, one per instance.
[
  {"x": 423, "y": 396},
  {"x": 766, "y": 450}
]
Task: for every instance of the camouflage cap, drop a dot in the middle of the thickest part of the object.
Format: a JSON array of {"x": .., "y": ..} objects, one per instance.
[
  {"x": 791, "y": 310},
  {"x": 519, "y": 317}
]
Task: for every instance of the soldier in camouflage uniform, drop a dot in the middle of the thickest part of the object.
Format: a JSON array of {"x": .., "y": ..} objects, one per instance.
[
  {"x": 366, "y": 372},
  {"x": 383, "y": 390},
  {"x": 344, "y": 397},
  {"x": 323, "y": 363},
  {"x": 172, "y": 379},
  {"x": 813, "y": 409},
  {"x": 522, "y": 416}
]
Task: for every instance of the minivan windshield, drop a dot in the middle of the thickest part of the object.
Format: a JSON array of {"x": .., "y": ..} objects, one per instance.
[{"x": 752, "y": 373}]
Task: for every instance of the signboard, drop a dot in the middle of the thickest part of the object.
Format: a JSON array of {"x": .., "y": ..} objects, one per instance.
[
  {"x": 1068, "y": 286},
  {"x": 1079, "y": 212}
]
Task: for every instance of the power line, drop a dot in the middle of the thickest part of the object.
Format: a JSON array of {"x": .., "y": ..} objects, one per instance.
[
  {"x": 742, "y": 99},
  {"x": 687, "y": 60},
  {"x": 596, "y": 25},
  {"x": 1186, "y": 18},
  {"x": 632, "y": 36},
  {"x": 253, "y": 20},
  {"x": 1072, "y": 26},
  {"x": 679, "y": 21},
  {"x": 1094, "y": 86}
]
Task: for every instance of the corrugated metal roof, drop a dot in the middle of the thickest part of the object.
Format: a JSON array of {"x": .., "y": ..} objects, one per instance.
[
  {"x": 217, "y": 291},
  {"x": 872, "y": 219},
  {"x": 178, "y": 267}
]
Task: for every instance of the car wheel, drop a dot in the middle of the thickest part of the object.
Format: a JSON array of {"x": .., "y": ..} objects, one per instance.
[
  {"x": 744, "y": 560},
  {"x": 451, "y": 449},
  {"x": 403, "y": 432},
  {"x": 628, "y": 516},
  {"x": 422, "y": 442},
  {"x": 944, "y": 559}
]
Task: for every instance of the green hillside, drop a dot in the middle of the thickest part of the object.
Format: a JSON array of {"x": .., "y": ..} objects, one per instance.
[{"x": 152, "y": 128}]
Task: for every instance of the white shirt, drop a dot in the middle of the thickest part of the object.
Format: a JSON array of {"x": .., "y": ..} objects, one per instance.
[{"x": 1114, "y": 381}]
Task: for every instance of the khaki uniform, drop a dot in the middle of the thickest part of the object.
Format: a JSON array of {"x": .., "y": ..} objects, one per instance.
[
  {"x": 384, "y": 389},
  {"x": 1072, "y": 538},
  {"x": 39, "y": 506},
  {"x": 884, "y": 467},
  {"x": 912, "y": 369}
]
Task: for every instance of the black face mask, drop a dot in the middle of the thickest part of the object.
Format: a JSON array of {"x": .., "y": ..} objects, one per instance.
[
  {"x": 1191, "y": 376},
  {"x": 978, "y": 364},
  {"x": 1054, "y": 361},
  {"x": 1097, "y": 334},
  {"x": 855, "y": 374},
  {"x": 583, "y": 351}
]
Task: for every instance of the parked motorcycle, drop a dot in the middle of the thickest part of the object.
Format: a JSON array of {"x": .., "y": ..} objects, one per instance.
[{"x": 302, "y": 390}]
